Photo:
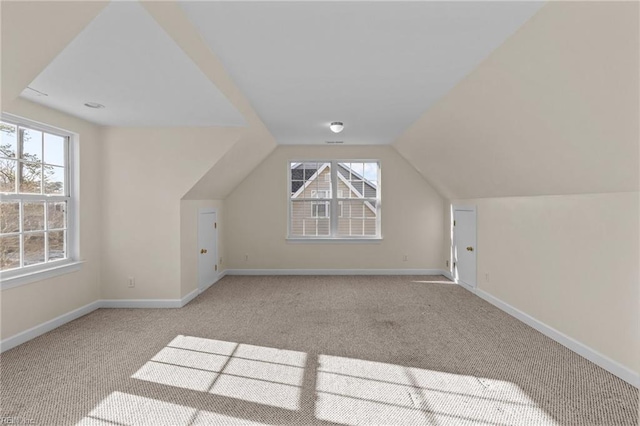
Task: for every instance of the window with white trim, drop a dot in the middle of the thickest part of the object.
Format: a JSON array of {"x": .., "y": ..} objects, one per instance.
[
  {"x": 35, "y": 219},
  {"x": 334, "y": 199}
]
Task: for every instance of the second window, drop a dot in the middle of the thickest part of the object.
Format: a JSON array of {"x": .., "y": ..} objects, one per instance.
[{"x": 334, "y": 199}]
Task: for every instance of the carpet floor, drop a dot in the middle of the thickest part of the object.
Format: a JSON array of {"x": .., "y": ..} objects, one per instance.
[{"x": 309, "y": 350}]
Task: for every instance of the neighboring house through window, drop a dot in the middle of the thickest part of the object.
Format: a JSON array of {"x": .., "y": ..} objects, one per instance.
[
  {"x": 334, "y": 199},
  {"x": 36, "y": 214}
]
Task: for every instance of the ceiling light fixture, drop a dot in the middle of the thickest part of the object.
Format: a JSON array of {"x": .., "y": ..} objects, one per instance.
[
  {"x": 94, "y": 105},
  {"x": 336, "y": 126}
]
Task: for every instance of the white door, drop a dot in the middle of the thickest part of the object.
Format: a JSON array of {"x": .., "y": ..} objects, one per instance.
[
  {"x": 464, "y": 247},
  {"x": 207, "y": 249}
]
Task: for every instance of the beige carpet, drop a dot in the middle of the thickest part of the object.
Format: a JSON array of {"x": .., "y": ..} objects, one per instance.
[{"x": 310, "y": 350}]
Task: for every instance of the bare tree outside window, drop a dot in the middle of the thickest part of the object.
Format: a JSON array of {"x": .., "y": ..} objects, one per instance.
[{"x": 33, "y": 220}]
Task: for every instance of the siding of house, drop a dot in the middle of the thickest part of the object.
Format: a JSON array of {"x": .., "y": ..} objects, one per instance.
[{"x": 356, "y": 218}]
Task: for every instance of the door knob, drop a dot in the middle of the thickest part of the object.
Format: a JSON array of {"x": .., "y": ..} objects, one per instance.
[{"x": 469, "y": 248}]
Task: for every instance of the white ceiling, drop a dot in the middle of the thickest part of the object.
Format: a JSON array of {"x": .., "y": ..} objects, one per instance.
[
  {"x": 124, "y": 60},
  {"x": 376, "y": 66}
]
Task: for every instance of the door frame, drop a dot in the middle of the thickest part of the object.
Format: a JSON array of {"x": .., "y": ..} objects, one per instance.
[
  {"x": 201, "y": 211},
  {"x": 467, "y": 208}
]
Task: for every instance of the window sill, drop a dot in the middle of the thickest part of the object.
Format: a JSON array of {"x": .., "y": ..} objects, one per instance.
[
  {"x": 376, "y": 240},
  {"x": 17, "y": 278}
]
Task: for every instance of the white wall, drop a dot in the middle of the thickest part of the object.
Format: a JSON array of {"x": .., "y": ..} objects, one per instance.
[
  {"x": 32, "y": 304},
  {"x": 552, "y": 111},
  {"x": 543, "y": 137},
  {"x": 189, "y": 215},
  {"x": 571, "y": 262},
  {"x": 256, "y": 218},
  {"x": 146, "y": 172}
]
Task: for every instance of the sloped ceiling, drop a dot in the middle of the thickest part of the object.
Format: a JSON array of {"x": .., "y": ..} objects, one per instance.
[
  {"x": 254, "y": 143},
  {"x": 376, "y": 66},
  {"x": 554, "y": 110},
  {"x": 124, "y": 60},
  {"x": 31, "y": 39}
]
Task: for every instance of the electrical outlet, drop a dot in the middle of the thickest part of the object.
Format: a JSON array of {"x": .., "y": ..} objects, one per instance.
[
  {"x": 405, "y": 258},
  {"x": 246, "y": 257},
  {"x": 132, "y": 282},
  {"x": 486, "y": 277}
]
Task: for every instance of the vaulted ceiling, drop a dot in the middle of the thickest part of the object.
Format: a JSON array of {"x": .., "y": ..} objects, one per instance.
[
  {"x": 376, "y": 66},
  {"x": 127, "y": 62},
  {"x": 483, "y": 98}
]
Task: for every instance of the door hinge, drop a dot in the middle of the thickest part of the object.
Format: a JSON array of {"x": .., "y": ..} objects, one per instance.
[
  {"x": 216, "y": 267},
  {"x": 454, "y": 223},
  {"x": 215, "y": 225}
]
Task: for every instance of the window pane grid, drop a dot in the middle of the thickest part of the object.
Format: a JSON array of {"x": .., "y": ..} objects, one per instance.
[
  {"x": 334, "y": 199},
  {"x": 34, "y": 183}
]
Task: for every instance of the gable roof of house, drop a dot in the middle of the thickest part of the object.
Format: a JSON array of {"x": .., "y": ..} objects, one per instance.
[{"x": 301, "y": 173}]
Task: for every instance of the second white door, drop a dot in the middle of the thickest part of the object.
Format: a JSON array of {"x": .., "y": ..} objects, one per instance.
[
  {"x": 207, "y": 249},
  {"x": 464, "y": 247}
]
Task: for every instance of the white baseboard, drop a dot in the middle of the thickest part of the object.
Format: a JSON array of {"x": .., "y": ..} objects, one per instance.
[
  {"x": 202, "y": 290},
  {"x": 141, "y": 303},
  {"x": 189, "y": 297},
  {"x": 25, "y": 336},
  {"x": 597, "y": 358},
  {"x": 45, "y": 327},
  {"x": 334, "y": 272},
  {"x": 581, "y": 349}
]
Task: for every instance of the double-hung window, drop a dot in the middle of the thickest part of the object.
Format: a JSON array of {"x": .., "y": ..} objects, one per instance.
[
  {"x": 334, "y": 199},
  {"x": 36, "y": 229}
]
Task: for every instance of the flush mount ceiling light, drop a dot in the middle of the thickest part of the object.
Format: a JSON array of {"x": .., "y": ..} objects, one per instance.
[
  {"x": 94, "y": 105},
  {"x": 336, "y": 126}
]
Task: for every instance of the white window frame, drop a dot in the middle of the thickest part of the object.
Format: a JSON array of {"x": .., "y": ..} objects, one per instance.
[
  {"x": 32, "y": 273},
  {"x": 334, "y": 206},
  {"x": 315, "y": 209}
]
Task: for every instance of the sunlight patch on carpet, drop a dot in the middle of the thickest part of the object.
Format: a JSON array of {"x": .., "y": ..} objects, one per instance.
[
  {"x": 257, "y": 374},
  {"x": 353, "y": 391},
  {"x": 121, "y": 408}
]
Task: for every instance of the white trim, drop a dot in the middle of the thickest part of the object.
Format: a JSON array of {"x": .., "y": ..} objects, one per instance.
[
  {"x": 35, "y": 125},
  {"x": 329, "y": 240},
  {"x": 141, "y": 303},
  {"x": 189, "y": 297},
  {"x": 25, "y": 275},
  {"x": 448, "y": 275},
  {"x": 71, "y": 196},
  {"x": 474, "y": 210},
  {"x": 333, "y": 201},
  {"x": 202, "y": 290},
  {"x": 581, "y": 349},
  {"x": 201, "y": 211},
  {"x": 45, "y": 327},
  {"x": 307, "y": 182},
  {"x": 334, "y": 272}
]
